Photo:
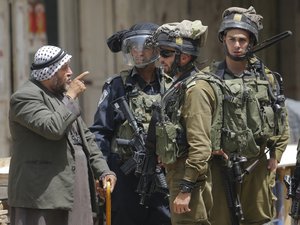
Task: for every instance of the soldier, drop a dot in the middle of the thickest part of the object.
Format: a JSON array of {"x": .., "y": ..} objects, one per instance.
[
  {"x": 254, "y": 121},
  {"x": 184, "y": 122},
  {"x": 141, "y": 87}
]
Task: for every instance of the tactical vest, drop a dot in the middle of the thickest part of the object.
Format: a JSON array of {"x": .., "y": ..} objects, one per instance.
[
  {"x": 252, "y": 111},
  {"x": 140, "y": 104},
  {"x": 249, "y": 111},
  {"x": 171, "y": 141}
]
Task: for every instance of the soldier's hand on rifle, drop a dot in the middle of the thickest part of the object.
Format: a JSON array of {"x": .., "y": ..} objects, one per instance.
[
  {"x": 220, "y": 153},
  {"x": 181, "y": 203},
  {"x": 159, "y": 162}
]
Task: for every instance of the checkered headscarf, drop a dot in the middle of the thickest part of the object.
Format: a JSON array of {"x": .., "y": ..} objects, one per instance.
[{"x": 47, "y": 61}]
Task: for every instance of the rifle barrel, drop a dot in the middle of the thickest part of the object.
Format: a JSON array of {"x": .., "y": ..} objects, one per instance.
[{"x": 271, "y": 41}]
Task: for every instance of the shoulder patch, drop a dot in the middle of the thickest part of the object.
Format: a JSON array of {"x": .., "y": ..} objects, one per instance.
[
  {"x": 111, "y": 78},
  {"x": 103, "y": 96},
  {"x": 123, "y": 74},
  {"x": 269, "y": 75},
  {"x": 191, "y": 84}
]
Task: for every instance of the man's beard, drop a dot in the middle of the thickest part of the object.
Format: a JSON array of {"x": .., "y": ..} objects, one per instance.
[{"x": 59, "y": 87}]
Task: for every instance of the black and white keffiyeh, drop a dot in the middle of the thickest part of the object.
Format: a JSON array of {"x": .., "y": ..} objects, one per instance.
[{"x": 47, "y": 61}]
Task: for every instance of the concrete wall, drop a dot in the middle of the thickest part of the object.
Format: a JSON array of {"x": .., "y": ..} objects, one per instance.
[
  {"x": 4, "y": 77},
  {"x": 20, "y": 39},
  {"x": 289, "y": 51},
  {"x": 14, "y": 60}
]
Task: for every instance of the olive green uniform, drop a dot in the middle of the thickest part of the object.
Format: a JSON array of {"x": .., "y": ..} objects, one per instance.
[
  {"x": 255, "y": 191},
  {"x": 196, "y": 112}
]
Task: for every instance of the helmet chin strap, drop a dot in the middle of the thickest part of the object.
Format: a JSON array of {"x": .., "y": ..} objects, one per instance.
[
  {"x": 175, "y": 65},
  {"x": 175, "y": 68},
  {"x": 143, "y": 66}
]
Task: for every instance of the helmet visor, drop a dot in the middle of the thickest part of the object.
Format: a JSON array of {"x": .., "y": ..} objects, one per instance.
[{"x": 139, "y": 51}]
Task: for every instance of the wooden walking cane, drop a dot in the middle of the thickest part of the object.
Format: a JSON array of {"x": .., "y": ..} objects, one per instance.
[{"x": 108, "y": 203}]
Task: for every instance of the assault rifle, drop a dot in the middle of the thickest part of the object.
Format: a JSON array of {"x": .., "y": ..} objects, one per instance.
[
  {"x": 232, "y": 178},
  {"x": 143, "y": 161},
  {"x": 152, "y": 180},
  {"x": 137, "y": 143},
  {"x": 293, "y": 193},
  {"x": 270, "y": 41}
]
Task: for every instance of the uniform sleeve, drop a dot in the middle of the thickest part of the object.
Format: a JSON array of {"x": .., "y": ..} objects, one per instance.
[
  {"x": 106, "y": 121},
  {"x": 281, "y": 141},
  {"x": 197, "y": 112},
  {"x": 278, "y": 143}
]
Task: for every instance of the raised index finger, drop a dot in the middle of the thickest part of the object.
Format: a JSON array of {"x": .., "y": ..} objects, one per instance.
[{"x": 82, "y": 75}]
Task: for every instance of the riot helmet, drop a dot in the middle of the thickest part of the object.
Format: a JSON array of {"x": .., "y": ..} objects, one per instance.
[
  {"x": 241, "y": 18},
  {"x": 184, "y": 37},
  {"x": 136, "y": 44}
]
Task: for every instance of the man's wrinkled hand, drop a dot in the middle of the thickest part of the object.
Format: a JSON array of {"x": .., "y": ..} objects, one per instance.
[
  {"x": 109, "y": 178},
  {"x": 100, "y": 190},
  {"x": 77, "y": 86}
]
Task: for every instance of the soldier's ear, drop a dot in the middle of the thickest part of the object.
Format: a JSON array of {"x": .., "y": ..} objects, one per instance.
[{"x": 185, "y": 59}]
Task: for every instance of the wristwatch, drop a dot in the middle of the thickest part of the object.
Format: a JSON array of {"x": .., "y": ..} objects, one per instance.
[{"x": 185, "y": 189}]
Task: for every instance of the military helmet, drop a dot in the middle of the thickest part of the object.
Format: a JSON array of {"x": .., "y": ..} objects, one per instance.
[
  {"x": 186, "y": 36},
  {"x": 241, "y": 18}
]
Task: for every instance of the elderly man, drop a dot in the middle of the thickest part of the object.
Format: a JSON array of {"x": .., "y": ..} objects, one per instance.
[{"x": 55, "y": 159}]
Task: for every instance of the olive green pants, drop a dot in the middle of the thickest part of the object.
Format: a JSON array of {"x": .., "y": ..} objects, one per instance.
[
  {"x": 201, "y": 197},
  {"x": 256, "y": 196}
]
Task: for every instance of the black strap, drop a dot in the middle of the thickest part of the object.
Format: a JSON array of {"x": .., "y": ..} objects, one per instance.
[{"x": 51, "y": 61}]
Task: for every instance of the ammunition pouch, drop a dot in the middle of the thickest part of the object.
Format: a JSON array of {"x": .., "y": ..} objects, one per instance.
[
  {"x": 166, "y": 145},
  {"x": 240, "y": 142},
  {"x": 261, "y": 115},
  {"x": 249, "y": 115},
  {"x": 237, "y": 137}
]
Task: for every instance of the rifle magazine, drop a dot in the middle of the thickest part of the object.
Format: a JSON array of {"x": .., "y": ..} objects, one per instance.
[{"x": 128, "y": 166}]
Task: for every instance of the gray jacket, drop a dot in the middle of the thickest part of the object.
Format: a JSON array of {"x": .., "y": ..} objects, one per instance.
[{"x": 42, "y": 165}]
